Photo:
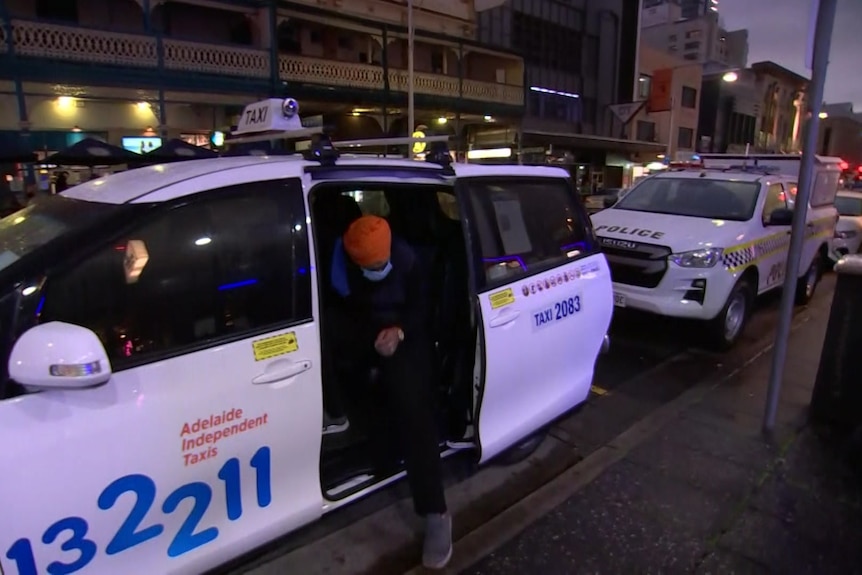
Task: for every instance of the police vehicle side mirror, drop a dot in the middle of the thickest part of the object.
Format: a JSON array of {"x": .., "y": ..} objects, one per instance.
[
  {"x": 59, "y": 355},
  {"x": 609, "y": 201},
  {"x": 780, "y": 217}
]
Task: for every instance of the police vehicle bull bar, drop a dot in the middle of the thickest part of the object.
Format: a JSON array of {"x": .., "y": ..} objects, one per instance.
[{"x": 278, "y": 119}]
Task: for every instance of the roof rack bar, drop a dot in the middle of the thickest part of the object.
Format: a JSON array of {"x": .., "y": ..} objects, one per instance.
[
  {"x": 303, "y": 134},
  {"x": 308, "y": 133},
  {"x": 405, "y": 141}
]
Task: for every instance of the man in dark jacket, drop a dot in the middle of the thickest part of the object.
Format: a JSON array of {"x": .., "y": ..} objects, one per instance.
[{"x": 381, "y": 323}]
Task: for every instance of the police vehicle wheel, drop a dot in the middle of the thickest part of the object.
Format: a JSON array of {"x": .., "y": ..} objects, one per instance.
[
  {"x": 518, "y": 453},
  {"x": 729, "y": 324},
  {"x": 807, "y": 284}
]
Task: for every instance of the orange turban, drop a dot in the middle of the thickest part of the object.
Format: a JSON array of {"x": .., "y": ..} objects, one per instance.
[{"x": 368, "y": 241}]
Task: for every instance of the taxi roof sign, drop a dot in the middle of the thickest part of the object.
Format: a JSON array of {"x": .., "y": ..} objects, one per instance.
[{"x": 274, "y": 114}]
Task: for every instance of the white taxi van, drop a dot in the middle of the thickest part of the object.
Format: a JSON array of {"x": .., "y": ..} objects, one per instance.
[
  {"x": 161, "y": 401},
  {"x": 702, "y": 243}
]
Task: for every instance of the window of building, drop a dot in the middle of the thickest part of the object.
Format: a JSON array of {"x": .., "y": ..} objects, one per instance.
[
  {"x": 646, "y": 131},
  {"x": 685, "y": 138},
  {"x": 691, "y": 34},
  {"x": 692, "y": 45},
  {"x": 225, "y": 266},
  {"x": 289, "y": 36},
  {"x": 525, "y": 226},
  {"x": 345, "y": 42},
  {"x": 546, "y": 43},
  {"x": 692, "y": 56},
  {"x": 591, "y": 56},
  {"x": 644, "y": 86},
  {"x": 689, "y": 97},
  {"x": 588, "y": 112},
  {"x": 671, "y": 38},
  {"x": 60, "y": 10},
  {"x": 437, "y": 61},
  {"x": 672, "y": 48}
]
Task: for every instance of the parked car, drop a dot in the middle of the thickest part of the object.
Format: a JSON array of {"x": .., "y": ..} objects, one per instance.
[
  {"x": 848, "y": 232},
  {"x": 702, "y": 243}
]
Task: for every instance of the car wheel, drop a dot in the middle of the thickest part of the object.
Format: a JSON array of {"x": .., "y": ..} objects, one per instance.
[
  {"x": 523, "y": 450},
  {"x": 807, "y": 284},
  {"x": 726, "y": 328}
]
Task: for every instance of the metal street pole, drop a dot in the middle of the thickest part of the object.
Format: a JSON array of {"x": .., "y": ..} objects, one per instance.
[
  {"x": 669, "y": 153},
  {"x": 822, "y": 43},
  {"x": 411, "y": 112}
]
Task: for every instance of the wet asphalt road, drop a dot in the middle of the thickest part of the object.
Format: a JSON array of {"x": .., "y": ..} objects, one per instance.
[{"x": 639, "y": 344}]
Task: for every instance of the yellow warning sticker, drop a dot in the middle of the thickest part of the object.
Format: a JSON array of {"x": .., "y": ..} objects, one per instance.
[
  {"x": 274, "y": 346},
  {"x": 502, "y": 298}
]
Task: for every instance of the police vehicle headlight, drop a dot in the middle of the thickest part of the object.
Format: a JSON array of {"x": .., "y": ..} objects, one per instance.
[
  {"x": 705, "y": 258},
  {"x": 846, "y": 235}
]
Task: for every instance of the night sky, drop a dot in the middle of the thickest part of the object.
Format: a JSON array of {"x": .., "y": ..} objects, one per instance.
[{"x": 777, "y": 31}]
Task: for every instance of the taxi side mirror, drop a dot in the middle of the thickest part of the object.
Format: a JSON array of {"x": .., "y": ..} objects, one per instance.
[
  {"x": 780, "y": 217},
  {"x": 59, "y": 355}
]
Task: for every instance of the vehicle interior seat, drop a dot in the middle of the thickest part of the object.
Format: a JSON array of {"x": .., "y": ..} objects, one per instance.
[{"x": 334, "y": 212}]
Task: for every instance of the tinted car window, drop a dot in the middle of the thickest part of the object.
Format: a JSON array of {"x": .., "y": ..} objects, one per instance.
[
  {"x": 525, "y": 226},
  {"x": 44, "y": 220},
  {"x": 849, "y": 206},
  {"x": 227, "y": 264},
  {"x": 775, "y": 199}
]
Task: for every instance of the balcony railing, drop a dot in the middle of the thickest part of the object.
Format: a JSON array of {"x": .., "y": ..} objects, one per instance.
[{"x": 70, "y": 43}]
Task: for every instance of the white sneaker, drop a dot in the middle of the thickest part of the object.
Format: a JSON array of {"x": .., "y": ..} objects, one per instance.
[{"x": 437, "y": 550}]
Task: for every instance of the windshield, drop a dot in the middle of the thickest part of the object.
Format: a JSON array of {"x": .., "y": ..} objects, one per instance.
[
  {"x": 44, "y": 220},
  {"x": 695, "y": 197},
  {"x": 849, "y": 206}
]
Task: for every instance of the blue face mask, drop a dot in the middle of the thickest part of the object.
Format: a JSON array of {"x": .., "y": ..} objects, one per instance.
[{"x": 377, "y": 275}]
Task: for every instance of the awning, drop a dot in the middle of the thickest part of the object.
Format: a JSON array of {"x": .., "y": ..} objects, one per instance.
[{"x": 533, "y": 138}]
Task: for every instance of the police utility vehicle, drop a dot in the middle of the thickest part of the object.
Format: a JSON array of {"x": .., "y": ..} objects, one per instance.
[
  {"x": 702, "y": 243},
  {"x": 162, "y": 405}
]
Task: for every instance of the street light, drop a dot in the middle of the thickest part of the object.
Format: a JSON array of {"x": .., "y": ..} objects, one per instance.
[
  {"x": 730, "y": 77},
  {"x": 823, "y": 115}
]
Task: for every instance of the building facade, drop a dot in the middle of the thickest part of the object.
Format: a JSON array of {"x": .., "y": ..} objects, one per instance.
[
  {"x": 762, "y": 111},
  {"x": 697, "y": 8},
  {"x": 841, "y": 135},
  {"x": 580, "y": 59},
  {"x": 698, "y": 38},
  {"x": 117, "y": 69},
  {"x": 675, "y": 129}
]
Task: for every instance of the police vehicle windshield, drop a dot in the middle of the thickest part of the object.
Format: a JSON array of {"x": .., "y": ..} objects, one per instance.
[
  {"x": 44, "y": 220},
  {"x": 694, "y": 197}
]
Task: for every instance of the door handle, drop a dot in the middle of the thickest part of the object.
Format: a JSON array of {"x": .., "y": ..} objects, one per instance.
[
  {"x": 281, "y": 370},
  {"x": 504, "y": 318}
]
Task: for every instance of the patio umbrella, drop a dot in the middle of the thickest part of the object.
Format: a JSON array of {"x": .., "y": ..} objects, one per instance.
[
  {"x": 92, "y": 152},
  {"x": 178, "y": 150}
]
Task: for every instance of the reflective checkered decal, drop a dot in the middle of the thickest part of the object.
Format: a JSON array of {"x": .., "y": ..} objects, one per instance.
[{"x": 741, "y": 256}]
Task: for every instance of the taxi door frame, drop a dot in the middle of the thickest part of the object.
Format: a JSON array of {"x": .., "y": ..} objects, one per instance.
[{"x": 474, "y": 256}]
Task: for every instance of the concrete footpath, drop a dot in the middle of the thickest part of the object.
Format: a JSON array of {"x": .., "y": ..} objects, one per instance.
[{"x": 696, "y": 488}]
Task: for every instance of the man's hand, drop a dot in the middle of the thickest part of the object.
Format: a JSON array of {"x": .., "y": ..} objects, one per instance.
[{"x": 388, "y": 340}]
